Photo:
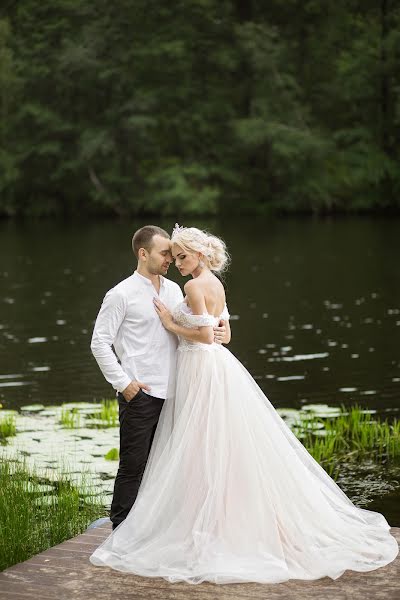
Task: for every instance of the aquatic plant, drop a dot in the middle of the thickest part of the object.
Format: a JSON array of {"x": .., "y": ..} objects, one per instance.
[
  {"x": 112, "y": 454},
  {"x": 39, "y": 510},
  {"x": 70, "y": 418},
  {"x": 107, "y": 416},
  {"x": 99, "y": 416},
  {"x": 352, "y": 435},
  {"x": 32, "y": 408},
  {"x": 8, "y": 427}
]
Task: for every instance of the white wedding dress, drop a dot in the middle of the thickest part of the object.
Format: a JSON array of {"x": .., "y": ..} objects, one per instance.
[{"x": 230, "y": 495}]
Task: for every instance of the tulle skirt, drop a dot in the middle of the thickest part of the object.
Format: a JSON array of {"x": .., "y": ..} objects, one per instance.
[{"x": 230, "y": 495}]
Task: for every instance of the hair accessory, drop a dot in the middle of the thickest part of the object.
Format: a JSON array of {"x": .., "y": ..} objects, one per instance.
[{"x": 177, "y": 229}]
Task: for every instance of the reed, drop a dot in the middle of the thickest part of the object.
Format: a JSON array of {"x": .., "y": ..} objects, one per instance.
[
  {"x": 70, "y": 418},
  {"x": 108, "y": 415},
  {"x": 38, "y": 511},
  {"x": 8, "y": 428},
  {"x": 350, "y": 436},
  {"x": 104, "y": 415}
]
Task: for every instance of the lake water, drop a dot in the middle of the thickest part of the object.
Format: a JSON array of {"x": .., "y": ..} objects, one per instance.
[{"x": 315, "y": 308}]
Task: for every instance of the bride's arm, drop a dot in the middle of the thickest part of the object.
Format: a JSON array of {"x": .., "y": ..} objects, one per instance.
[{"x": 205, "y": 334}]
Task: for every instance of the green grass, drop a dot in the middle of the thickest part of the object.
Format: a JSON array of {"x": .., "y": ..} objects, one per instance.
[
  {"x": 70, "y": 418},
  {"x": 37, "y": 512},
  {"x": 8, "y": 428},
  {"x": 108, "y": 416},
  {"x": 351, "y": 436}
]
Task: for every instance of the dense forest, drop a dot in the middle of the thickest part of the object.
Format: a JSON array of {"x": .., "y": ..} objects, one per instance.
[{"x": 199, "y": 106}]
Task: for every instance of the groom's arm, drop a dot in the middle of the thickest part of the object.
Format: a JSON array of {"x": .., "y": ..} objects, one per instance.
[{"x": 109, "y": 319}]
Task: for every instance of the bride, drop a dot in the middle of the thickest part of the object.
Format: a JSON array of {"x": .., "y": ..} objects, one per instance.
[{"x": 229, "y": 493}]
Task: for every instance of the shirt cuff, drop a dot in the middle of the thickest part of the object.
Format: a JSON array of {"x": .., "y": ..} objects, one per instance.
[{"x": 123, "y": 384}]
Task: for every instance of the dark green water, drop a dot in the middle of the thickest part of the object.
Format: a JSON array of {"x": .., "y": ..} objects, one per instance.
[
  {"x": 326, "y": 291},
  {"x": 315, "y": 307}
]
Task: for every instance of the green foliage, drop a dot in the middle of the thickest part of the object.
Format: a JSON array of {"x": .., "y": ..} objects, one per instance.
[
  {"x": 98, "y": 416},
  {"x": 201, "y": 107},
  {"x": 106, "y": 417},
  {"x": 352, "y": 435},
  {"x": 38, "y": 511},
  {"x": 9, "y": 90},
  {"x": 8, "y": 427},
  {"x": 112, "y": 454},
  {"x": 70, "y": 418},
  {"x": 182, "y": 189}
]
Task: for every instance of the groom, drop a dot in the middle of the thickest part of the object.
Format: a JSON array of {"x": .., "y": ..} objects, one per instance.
[{"x": 144, "y": 352}]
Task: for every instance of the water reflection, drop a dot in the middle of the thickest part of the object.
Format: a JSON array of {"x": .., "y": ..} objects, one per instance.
[{"x": 328, "y": 290}]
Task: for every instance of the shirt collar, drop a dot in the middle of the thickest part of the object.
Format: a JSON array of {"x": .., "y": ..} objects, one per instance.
[{"x": 148, "y": 281}]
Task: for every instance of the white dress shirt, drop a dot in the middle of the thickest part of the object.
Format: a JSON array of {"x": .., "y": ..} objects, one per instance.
[{"x": 128, "y": 321}]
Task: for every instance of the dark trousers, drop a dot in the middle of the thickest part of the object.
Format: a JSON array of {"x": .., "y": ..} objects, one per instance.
[{"x": 138, "y": 422}]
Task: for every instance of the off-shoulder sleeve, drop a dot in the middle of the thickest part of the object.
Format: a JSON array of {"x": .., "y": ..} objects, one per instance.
[
  {"x": 204, "y": 320},
  {"x": 225, "y": 313}
]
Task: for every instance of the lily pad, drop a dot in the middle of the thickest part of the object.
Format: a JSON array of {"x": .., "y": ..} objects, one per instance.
[
  {"x": 36, "y": 487},
  {"x": 78, "y": 405},
  {"x": 322, "y": 410},
  {"x": 90, "y": 410},
  {"x": 101, "y": 423},
  {"x": 313, "y": 427},
  {"x": 50, "y": 412},
  {"x": 32, "y": 408},
  {"x": 287, "y": 412},
  {"x": 112, "y": 454}
]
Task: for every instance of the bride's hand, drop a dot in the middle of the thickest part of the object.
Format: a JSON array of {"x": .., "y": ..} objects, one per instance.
[{"x": 163, "y": 313}]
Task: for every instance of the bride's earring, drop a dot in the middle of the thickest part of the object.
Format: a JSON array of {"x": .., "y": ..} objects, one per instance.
[{"x": 201, "y": 264}]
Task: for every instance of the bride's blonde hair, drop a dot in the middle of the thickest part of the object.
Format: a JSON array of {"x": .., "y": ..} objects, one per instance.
[{"x": 210, "y": 246}]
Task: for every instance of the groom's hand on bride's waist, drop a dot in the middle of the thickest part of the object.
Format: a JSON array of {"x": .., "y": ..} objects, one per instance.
[
  {"x": 133, "y": 388},
  {"x": 220, "y": 332}
]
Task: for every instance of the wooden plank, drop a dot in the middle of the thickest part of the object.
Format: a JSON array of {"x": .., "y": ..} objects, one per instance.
[
  {"x": 64, "y": 572},
  {"x": 12, "y": 595},
  {"x": 26, "y": 587}
]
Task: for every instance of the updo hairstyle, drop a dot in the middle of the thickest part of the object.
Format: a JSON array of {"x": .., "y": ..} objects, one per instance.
[{"x": 211, "y": 247}]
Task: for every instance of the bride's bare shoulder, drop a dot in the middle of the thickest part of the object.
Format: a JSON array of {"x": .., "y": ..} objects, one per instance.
[
  {"x": 194, "y": 290},
  {"x": 219, "y": 286},
  {"x": 191, "y": 286},
  {"x": 210, "y": 291},
  {"x": 210, "y": 285}
]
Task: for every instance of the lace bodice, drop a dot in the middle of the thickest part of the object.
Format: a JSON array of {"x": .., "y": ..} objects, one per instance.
[{"x": 183, "y": 315}]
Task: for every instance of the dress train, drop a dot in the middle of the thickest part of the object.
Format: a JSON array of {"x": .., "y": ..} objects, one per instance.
[{"x": 230, "y": 494}]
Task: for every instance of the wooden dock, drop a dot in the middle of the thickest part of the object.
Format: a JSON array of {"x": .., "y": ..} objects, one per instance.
[{"x": 64, "y": 572}]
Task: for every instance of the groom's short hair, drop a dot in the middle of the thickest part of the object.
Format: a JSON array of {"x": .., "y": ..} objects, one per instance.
[{"x": 143, "y": 238}]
